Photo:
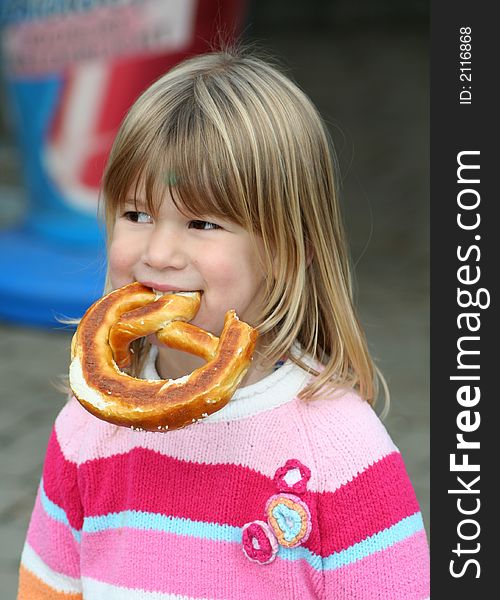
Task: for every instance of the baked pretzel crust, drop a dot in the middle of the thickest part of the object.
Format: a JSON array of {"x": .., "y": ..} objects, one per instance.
[{"x": 100, "y": 349}]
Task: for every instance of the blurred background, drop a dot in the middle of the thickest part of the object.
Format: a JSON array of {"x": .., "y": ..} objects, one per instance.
[{"x": 365, "y": 65}]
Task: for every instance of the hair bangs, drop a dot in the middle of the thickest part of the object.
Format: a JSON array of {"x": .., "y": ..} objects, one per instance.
[{"x": 188, "y": 156}]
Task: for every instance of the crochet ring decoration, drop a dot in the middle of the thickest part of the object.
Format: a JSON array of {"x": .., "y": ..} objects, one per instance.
[{"x": 101, "y": 349}]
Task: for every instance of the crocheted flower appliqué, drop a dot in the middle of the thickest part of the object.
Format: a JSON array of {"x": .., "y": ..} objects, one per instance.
[
  {"x": 292, "y": 477},
  {"x": 288, "y": 517},
  {"x": 259, "y": 543}
]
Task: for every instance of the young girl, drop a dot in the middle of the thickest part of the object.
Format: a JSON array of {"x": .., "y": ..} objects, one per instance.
[{"x": 221, "y": 180}]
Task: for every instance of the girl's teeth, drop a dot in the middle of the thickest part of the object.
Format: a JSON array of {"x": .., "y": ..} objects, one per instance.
[{"x": 159, "y": 294}]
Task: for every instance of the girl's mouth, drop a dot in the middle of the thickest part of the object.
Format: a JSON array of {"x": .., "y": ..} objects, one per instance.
[
  {"x": 162, "y": 290},
  {"x": 160, "y": 293}
]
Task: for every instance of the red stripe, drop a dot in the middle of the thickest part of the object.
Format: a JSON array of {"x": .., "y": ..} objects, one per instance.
[
  {"x": 145, "y": 480},
  {"x": 376, "y": 499},
  {"x": 60, "y": 482}
]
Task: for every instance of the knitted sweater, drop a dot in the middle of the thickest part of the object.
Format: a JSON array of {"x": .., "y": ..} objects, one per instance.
[{"x": 271, "y": 498}]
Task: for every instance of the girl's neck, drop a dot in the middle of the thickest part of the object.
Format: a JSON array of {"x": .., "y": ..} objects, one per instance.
[{"x": 172, "y": 364}]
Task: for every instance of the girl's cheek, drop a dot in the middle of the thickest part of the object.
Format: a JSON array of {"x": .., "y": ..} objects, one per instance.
[
  {"x": 114, "y": 257},
  {"x": 119, "y": 258}
]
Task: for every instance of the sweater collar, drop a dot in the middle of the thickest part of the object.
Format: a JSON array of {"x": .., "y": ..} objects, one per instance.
[{"x": 279, "y": 387}]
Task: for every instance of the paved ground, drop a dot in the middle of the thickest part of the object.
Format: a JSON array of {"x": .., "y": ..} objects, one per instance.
[{"x": 372, "y": 89}]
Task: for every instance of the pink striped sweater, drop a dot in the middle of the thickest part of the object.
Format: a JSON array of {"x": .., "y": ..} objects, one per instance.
[{"x": 271, "y": 498}]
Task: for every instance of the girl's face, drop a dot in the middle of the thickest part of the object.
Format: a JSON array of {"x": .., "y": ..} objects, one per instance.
[{"x": 175, "y": 252}]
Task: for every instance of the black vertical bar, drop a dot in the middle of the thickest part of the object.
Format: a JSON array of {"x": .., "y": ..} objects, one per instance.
[{"x": 464, "y": 291}]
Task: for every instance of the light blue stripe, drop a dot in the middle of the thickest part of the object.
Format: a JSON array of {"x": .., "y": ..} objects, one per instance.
[
  {"x": 57, "y": 513},
  {"x": 226, "y": 533},
  {"x": 157, "y": 522},
  {"x": 301, "y": 553},
  {"x": 379, "y": 541}
]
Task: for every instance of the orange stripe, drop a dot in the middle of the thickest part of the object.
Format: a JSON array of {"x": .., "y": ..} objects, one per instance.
[{"x": 33, "y": 588}]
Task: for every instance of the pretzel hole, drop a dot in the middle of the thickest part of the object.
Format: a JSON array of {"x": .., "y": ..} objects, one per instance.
[
  {"x": 163, "y": 313},
  {"x": 189, "y": 338}
]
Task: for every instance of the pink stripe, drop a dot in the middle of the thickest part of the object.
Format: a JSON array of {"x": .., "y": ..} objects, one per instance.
[
  {"x": 229, "y": 494},
  {"x": 201, "y": 568},
  {"x": 60, "y": 482},
  {"x": 338, "y": 423},
  {"x": 123, "y": 558},
  {"x": 53, "y": 542},
  {"x": 399, "y": 573}
]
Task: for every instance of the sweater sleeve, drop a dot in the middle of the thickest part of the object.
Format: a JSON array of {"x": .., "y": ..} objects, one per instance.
[
  {"x": 370, "y": 531},
  {"x": 50, "y": 562},
  {"x": 372, "y": 536}
]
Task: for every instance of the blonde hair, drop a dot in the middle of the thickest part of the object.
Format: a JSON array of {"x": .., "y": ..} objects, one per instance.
[{"x": 231, "y": 136}]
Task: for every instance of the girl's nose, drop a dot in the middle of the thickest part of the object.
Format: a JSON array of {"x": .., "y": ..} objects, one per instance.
[{"x": 165, "y": 249}]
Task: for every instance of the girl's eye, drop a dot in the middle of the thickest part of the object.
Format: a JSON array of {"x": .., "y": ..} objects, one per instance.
[
  {"x": 206, "y": 225},
  {"x": 137, "y": 216}
]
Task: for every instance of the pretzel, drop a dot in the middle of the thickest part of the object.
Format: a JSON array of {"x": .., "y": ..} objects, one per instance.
[{"x": 100, "y": 349}]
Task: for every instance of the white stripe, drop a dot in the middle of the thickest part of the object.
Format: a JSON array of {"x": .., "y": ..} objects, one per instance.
[
  {"x": 58, "y": 581},
  {"x": 98, "y": 589}
]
